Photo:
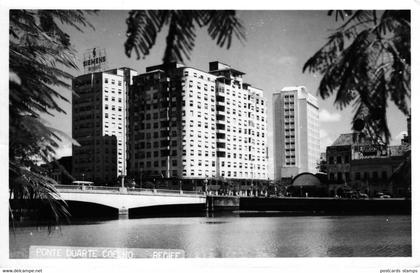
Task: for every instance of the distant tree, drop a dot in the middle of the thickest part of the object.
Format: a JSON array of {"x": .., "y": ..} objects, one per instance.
[
  {"x": 39, "y": 53},
  {"x": 144, "y": 25},
  {"x": 321, "y": 165},
  {"x": 365, "y": 62}
]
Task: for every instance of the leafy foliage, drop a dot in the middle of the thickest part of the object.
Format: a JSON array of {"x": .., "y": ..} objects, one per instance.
[
  {"x": 39, "y": 51},
  {"x": 143, "y": 27},
  {"x": 366, "y": 62}
]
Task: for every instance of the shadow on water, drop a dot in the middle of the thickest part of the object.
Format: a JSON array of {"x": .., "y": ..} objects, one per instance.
[
  {"x": 189, "y": 210},
  {"x": 40, "y": 214}
]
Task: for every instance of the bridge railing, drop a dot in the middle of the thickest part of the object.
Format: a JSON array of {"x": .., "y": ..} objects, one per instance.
[
  {"x": 85, "y": 188},
  {"x": 140, "y": 190}
]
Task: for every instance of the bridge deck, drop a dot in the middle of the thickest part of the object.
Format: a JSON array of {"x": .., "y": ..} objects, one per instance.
[{"x": 126, "y": 191}]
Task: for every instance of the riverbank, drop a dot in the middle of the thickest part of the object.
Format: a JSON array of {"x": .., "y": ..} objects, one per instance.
[
  {"x": 217, "y": 204},
  {"x": 316, "y": 205}
]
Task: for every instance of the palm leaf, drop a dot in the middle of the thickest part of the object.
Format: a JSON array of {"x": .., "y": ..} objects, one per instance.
[
  {"x": 39, "y": 51},
  {"x": 144, "y": 26},
  {"x": 365, "y": 62}
]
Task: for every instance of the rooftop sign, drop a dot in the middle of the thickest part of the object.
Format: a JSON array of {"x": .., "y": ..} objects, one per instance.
[{"x": 94, "y": 60}]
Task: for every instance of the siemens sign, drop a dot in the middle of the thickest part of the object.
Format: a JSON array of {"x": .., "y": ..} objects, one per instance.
[{"x": 94, "y": 60}]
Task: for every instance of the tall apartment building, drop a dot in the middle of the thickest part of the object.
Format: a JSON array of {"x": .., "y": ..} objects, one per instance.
[
  {"x": 186, "y": 123},
  {"x": 296, "y": 132},
  {"x": 99, "y": 125}
]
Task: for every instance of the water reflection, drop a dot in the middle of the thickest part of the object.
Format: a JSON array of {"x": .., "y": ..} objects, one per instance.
[{"x": 232, "y": 236}]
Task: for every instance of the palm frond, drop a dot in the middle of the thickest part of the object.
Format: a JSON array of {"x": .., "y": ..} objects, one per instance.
[
  {"x": 144, "y": 26},
  {"x": 222, "y": 25},
  {"x": 181, "y": 36},
  {"x": 39, "y": 51},
  {"x": 365, "y": 62},
  {"x": 142, "y": 29}
]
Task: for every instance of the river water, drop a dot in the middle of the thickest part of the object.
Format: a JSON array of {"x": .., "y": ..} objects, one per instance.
[{"x": 233, "y": 236}]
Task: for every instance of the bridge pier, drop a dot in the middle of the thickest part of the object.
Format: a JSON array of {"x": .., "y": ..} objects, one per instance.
[{"x": 123, "y": 212}]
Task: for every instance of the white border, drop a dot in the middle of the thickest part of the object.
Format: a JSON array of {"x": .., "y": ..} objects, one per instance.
[{"x": 207, "y": 265}]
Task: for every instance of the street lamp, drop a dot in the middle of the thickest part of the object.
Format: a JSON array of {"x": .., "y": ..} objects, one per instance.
[
  {"x": 141, "y": 178},
  {"x": 205, "y": 185}
]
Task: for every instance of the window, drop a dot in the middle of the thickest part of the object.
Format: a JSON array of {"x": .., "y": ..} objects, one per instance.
[
  {"x": 346, "y": 159},
  {"x": 366, "y": 175},
  {"x": 331, "y": 160},
  {"x": 338, "y": 159},
  {"x": 347, "y": 176}
]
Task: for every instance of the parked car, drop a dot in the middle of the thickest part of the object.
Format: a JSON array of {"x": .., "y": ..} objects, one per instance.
[
  {"x": 382, "y": 195},
  {"x": 385, "y": 196},
  {"x": 363, "y": 195}
]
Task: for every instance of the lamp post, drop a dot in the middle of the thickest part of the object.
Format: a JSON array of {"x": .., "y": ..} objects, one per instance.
[
  {"x": 205, "y": 185},
  {"x": 141, "y": 178}
]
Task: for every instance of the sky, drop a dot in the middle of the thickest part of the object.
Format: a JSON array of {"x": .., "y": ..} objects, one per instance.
[{"x": 277, "y": 45}]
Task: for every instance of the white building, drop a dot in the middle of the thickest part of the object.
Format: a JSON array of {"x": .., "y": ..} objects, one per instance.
[
  {"x": 99, "y": 124},
  {"x": 296, "y": 132},
  {"x": 191, "y": 124}
]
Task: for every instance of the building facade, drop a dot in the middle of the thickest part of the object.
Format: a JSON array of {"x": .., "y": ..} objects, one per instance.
[
  {"x": 99, "y": 124},
  {"x": 186, "y": 123},
  {"x": 354, "y": 161},
  {"x": 296, "y": 132}
]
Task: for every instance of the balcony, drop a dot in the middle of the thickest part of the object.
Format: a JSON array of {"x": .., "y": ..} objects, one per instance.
[
  {"x": 220, "y": 99},
  {"x": 220, "y": 108},
  {"x": 220, "y": 117},
  {"x": 221, "y": 145},
  {"x": 164, "y": 143},
  {"x": 220, "y": 126},
  {"x": 164, "y": 123},
  {"x": 164, "y": 152},
  {"x": 220, "y": 135}
]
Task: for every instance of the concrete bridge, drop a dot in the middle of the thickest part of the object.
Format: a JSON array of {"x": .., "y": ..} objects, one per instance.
[{"x": 124, "y": 199}]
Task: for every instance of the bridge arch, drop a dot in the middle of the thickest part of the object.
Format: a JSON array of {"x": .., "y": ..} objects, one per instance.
[{"x": 123, "y": 201}]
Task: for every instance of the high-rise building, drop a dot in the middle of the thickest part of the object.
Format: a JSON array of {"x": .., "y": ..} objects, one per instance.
[
  {"x": 296, "y": 132},
  {"x": 186, "y": 123},
  {"x": 99, "y": 125}
]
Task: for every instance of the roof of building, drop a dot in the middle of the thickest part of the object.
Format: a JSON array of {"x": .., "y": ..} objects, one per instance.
[
  {"x": 343, "y": 139},
  {"x": 234, "y": 71},
  {"x": 350, "y": 139},
  {"x": 306, "y": 179},
  {"x": 292, "y": 88}
]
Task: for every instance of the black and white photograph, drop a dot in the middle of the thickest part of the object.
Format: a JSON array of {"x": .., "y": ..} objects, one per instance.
[{"x": 211, "y": 135}]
